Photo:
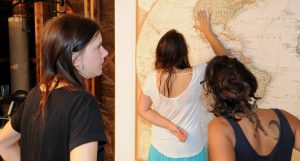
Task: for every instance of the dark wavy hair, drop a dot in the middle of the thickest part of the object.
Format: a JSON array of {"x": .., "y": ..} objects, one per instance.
[
  {"x": 232, "y": 86},
  {"x": 61, "y": 37},
  {"x": 171, "y": 52}
]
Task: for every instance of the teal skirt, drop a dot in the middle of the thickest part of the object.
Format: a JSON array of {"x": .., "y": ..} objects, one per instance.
[{"x": 155, "y": 155}]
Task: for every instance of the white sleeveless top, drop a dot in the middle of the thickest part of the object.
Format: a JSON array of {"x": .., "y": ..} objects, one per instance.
[{"x": 185, "y": 111}]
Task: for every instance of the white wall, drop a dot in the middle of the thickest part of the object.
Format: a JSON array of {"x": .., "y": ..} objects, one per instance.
[{"x": 125, "y": 21}]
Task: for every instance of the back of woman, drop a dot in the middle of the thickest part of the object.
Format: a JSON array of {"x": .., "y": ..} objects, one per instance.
[
  {"x": 71, "y": 119},
  {"x": 181, "y": 81},
  {"x": 274, "y": 144},
  {"x": 181, "y": 107},
  {"x": 170, "y": 99},
  {"x": 242, "y": 131}
]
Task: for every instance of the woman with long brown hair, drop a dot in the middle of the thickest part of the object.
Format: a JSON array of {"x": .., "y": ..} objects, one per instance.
[
  {"x": 174, "y": 90},
  {"x": 60, "y": 120}
]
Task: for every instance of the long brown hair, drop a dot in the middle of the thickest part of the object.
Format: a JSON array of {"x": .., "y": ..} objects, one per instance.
[
  {"x": 61, "y": 37},
  {"x": 171, "y": 52}
]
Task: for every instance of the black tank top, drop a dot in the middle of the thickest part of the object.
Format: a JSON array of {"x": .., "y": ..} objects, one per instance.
[{"x": 281, "y": 152}]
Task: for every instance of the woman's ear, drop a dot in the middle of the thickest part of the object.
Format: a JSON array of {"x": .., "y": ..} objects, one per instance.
[{"x": 76, "y": 59}]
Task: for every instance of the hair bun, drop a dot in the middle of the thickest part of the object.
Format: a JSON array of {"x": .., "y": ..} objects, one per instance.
[{"x": 233, "y": 90}]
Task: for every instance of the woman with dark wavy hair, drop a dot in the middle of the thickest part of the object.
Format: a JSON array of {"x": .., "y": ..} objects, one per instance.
[
  {"x": 174, "y": 91},
  {"x": 242, "y": 131},
  {"x": 60, "y": 120}
]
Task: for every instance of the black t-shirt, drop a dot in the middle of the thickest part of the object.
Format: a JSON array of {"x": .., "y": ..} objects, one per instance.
[{"x": 72, "y": 118}]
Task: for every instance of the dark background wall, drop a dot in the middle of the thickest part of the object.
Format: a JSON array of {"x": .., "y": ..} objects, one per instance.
[{"x": 5, "y": 12}]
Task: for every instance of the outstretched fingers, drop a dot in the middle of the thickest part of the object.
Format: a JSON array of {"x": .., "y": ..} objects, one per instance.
[{"x": 203, "y": 21}]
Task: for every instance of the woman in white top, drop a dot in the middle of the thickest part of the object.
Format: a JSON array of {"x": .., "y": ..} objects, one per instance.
[{"x": 174, "y": 90}]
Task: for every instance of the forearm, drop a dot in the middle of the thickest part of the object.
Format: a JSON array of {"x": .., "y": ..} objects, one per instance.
[
  {"x": 155, "y": 118},
  {"x": 215, "y": 43},
  {"x": 203, "y": 25},
  {"x": 11, "y": 153}
]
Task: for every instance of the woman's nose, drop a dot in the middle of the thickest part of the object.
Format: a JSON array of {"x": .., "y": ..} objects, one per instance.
[{"x": 104, "y": 53}]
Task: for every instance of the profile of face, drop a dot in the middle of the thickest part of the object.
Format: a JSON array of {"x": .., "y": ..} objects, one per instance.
[{"x": 89, "y": 62}]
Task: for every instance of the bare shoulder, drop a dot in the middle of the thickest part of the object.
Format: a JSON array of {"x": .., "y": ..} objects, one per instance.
[
  {"x": 293, "y": 120},
  {"x": 221, "y": 140},
  {"x": 221, "y": 127},
  {"x": 218, "y": 122}
]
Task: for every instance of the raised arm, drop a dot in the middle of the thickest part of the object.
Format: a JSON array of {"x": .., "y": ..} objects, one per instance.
[
  {"x": 144, "y": 109},
  {"x": 203, "y": 25}
]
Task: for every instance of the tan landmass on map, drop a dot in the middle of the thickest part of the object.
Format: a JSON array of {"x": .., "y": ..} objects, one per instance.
[{"x": 221, "y": 10}]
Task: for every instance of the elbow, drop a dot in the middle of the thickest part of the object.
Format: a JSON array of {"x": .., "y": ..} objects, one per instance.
[
  {"x": 2, "y": 148},
  {"x": 6, "y": 147},
  {"x": 2, "y": 145},
  {"x": 140, "y": 112},
  {"x": 6, "y": 144}
]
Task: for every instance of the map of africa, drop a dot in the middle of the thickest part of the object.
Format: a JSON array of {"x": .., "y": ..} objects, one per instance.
[{"x": 265, "y": 34}]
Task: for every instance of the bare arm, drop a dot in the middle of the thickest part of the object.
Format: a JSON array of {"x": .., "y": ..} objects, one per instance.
[
  {"x": 86, "y": 152},
  {"x": 295, "y": 125},
  {"x": 9, "y": 146},
  {"x": 203, "y": 24},
  {"x": 155, "y": 118},
  {"x": 297, "y": 135},
  {"x": 297, "y": 138},
  {"x": 219, "y": 141}
]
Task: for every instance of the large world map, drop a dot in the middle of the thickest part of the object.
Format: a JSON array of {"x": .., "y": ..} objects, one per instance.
[{"x": 264, "y": 34}]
